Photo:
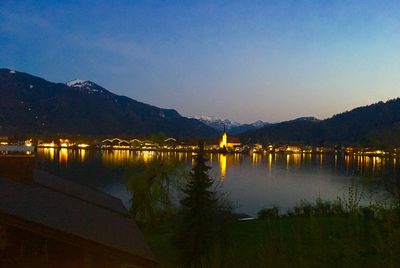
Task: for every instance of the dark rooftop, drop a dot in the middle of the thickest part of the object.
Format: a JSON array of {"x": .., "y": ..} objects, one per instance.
[{"x": 73, "y": 209}]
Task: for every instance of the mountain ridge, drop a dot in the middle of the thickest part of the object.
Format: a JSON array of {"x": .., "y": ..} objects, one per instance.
[
  {"x": 33, "y": 105},
  {"x": 376, "y": 125}
]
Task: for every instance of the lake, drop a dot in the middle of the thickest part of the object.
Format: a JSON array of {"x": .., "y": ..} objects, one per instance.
[{"x": 252, "y": 181}]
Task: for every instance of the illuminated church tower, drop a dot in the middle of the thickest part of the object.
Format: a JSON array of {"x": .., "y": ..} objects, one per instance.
[{"x": 224, "y": 140}]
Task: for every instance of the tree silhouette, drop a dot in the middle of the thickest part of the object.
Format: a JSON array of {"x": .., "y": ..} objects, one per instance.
[
  {"x": 198, "y": 226},
  {"x": 150, "y": 187}
]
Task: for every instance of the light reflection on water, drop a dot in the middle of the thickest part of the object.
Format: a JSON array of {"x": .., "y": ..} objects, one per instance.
[{"x": 252, "y": 181}]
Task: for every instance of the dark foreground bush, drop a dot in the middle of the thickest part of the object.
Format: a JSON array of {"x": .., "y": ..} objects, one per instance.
[{"x": 268, "y": 213}]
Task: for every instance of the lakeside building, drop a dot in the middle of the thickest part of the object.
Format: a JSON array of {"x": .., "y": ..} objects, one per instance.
[
  {"x": 115, "y": 143},
  {"x": 46, "y": 221},
  {"x": 293, "y": 149},
  {"x": 169, "y": 143},
  {"x": 4, "y": 140},
  {"x": 322, "y": 150},
  {"x": 229, "y": 143},
  {"x": 258, "y": 148},
  {"x": 136, "y": 144},
  {"x": 47, "y": 144},
  {"x": 16, "y": 149}
]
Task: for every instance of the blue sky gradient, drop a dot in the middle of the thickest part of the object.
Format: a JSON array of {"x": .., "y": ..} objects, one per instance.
[{"x": 242, "y": 60}]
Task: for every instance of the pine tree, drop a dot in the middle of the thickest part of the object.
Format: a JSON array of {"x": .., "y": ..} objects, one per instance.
[{"x": 198, "y": 226}]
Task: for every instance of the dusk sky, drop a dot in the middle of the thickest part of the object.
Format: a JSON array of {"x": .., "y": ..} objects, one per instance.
[{"x": 242, "y": 60}]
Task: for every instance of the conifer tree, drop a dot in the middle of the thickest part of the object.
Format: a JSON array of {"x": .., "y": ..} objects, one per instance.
[{"x": 198, "y": 226}]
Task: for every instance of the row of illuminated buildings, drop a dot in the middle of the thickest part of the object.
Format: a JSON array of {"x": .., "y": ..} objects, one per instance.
[
  {"x": 224, "y": 144},
  {"x": 347, "y": 150}
]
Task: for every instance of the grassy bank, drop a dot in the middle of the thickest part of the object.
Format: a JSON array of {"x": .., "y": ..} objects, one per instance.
[{"x": 299, "y": 241}]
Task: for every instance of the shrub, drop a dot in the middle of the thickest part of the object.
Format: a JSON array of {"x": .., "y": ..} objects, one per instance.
[{"x": 269, "y": 213}]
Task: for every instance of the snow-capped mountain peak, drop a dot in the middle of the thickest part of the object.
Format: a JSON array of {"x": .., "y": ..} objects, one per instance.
[
  {"x": 231, "y": 127},
  {"x": 218, "y": 123},
  {"x": 77, "y": 83},
  {"x": 259, "y": 124},
  {"x": 89, "y": 86}
]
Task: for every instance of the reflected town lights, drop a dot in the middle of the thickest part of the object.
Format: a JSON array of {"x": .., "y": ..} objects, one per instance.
[
  {"x": 47, "y": 152},
  {"x": 51, "y": 152},
  {"x": 347, "y": 161},
  {"x": 297, "y": 159},
  {"x": 358, "y": 163},
  {"x": 376, "y": 163},
  {"x": 256, "y": 158},
  {"x": 287, "y": 161},
  {"x": 147, "y": 156},
  {"x": 269, "y": 161},
  {"x": 222, "y": 165},
  {"x": 82, "y": 154},
  {"x": 63, "y": 155},
  {"x": 236, "y": 158},
  {"x": 115, "y": 157}
]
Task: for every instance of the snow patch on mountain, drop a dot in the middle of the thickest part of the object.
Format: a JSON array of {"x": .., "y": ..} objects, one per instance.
[
  {"x": 259, "y": 124},
  {"x": 232, "y": 127},
  {"x": 218, "y": 123},
  {"x": 89, "y": 86},
  {"x": 77, "y": 83}
]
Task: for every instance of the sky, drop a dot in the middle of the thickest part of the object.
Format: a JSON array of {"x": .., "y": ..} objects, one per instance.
[{"x": 242, "y": 60}]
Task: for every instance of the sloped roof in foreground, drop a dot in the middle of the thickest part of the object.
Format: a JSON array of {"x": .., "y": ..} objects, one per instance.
[{"x": 73, "y": 209}]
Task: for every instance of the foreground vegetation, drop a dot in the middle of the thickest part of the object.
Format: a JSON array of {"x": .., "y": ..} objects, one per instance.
[
  {"x": 201, "y": 231},
  {"x": 366, "y": 237}
]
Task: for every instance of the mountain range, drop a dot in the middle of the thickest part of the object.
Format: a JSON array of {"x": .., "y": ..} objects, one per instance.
[
  {"x": 30, "y": 105},
  {"x": 376, "y": 125},
  {"x": 231, "y": 127}
]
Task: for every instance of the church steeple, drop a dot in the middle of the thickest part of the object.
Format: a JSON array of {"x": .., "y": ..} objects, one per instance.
[{"x": 224, "y": 139}]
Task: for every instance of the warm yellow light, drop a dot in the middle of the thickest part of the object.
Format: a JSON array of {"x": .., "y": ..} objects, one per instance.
[
  {"x": 51, "y": 152},
  {"x": 28, "y": 143},
  {"x": 63, "y": 155},
  {"x": 122, "y": 147},
  {"x": 49, "y": 145},
  {"x": 270, "y": 161},
  {"x": 83, "y": 145},
  {"x": 293, "y": 149},
  {"x": 147, "y": 156},
  {"x": 82, "y": 154},
  {"x": 224, "y": 141},
  {"x": 222, "y": 164}
]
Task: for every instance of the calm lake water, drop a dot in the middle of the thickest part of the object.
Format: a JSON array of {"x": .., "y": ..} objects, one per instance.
[{"x": 252, "y": 182}]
